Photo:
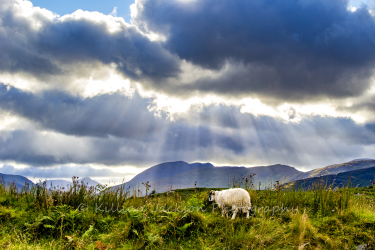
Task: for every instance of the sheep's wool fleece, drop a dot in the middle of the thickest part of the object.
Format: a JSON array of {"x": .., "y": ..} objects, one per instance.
[{"x": 234, "y": 196}]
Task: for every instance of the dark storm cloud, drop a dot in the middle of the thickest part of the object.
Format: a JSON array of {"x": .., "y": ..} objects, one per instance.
[
  {"x": 19, "y": 148},
  {"x": 116, "y": 115},
  {"x": 118, "y": 130},
  {"x": 36, "y": 148},
  {"x": 315, "y": 141},
  {"x": 214, "y": 114},
  {"x": 77, "y": 39},
  {"x": 182, "y": 137},
  {"x": 112, "y": 128},
  {"x": 285, "y": 49},
  {"x": 371, "y": 126},
  {"x": 274, "y": 50},
  {"x": 103, "y": 115}
]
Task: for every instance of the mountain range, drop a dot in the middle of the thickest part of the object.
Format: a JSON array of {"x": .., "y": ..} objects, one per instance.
[
  {"x": 59, "y": 184},
  {"x": 18, "y": 180},
  {"x": 337, "y": 168},
  {"x": 21, "y": 181},
  {"x": 355, "y": 178},
  {"x": 180, "y": 174}
]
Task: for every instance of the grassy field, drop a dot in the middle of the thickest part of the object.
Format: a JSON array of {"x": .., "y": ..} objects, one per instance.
[{"x": 81, "y": 218}]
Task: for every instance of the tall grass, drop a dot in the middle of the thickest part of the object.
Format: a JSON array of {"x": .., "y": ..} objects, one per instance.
[{"x": 41, "y": 217}]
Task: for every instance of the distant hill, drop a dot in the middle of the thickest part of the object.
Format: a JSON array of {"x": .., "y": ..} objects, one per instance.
[
  {"x": 168, "y": 169},
  {"x": 337, "y": 168},
  {"x": 176, "y": 175},
  {"x": 58, "y": 184},
  {"x": 18, "y": 180},
  {"x": 90, "y": 182},
  {"x": 358, "y": 178},
  {"x": 164, "y": 171}
]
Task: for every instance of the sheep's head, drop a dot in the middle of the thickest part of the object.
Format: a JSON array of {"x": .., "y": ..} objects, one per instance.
[{"x": 211, "y": 197}]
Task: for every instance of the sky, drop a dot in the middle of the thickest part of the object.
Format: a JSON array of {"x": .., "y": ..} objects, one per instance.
[
  {"x": 106, "y": 89},
  {"x": 121, "y": 7}
]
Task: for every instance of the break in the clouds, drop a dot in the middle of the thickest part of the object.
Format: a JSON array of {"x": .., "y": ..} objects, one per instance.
[
  {"x": 42, "y": 44},
  {"x": 228, "y": 82}
]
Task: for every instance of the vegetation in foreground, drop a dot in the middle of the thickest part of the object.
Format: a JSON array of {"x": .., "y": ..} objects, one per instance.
[{"x": 100, "y": 218}]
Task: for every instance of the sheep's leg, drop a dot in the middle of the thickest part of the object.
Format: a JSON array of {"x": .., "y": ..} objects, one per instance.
[
  {"x": 235, "y": 210},
  {"x": 222, "y": 210},
  {"x": 247, "y": 213},
  {"x": 225, "y": 211}
]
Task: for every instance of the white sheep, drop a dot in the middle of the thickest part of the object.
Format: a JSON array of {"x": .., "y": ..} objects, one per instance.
[{"x": 237, "y": 198}]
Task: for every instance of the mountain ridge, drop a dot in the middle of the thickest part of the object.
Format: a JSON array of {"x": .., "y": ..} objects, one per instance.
[
  {"x": 19, "y": 180},
  {"x": 355, "y": 178},
  {"x": 59, "y": 184},
  {"x": 206, "y": 175},
  {"x": 335, "y": 169},
  {"x": 179, "y": 174}
]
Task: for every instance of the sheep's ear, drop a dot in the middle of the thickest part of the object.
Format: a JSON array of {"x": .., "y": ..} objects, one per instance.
[{"x": 212, "y": 192}]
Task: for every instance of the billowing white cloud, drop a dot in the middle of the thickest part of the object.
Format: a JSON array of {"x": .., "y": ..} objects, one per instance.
[{"x": 56, "y": 50}]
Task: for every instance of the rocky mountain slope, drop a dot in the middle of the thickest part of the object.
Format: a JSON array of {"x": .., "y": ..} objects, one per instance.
[
  {"x": 337, "y": 168},
  {"x": 355, "y": 178}
]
